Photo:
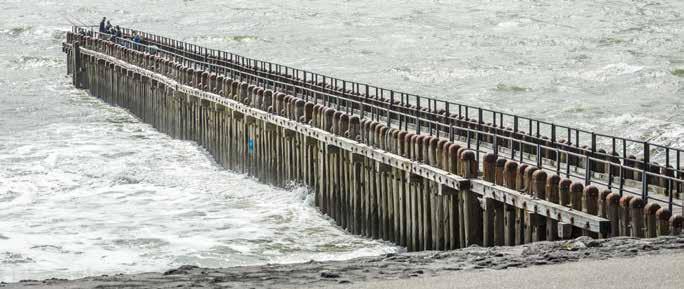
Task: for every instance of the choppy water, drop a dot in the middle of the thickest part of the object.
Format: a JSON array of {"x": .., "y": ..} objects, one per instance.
[{"x": 87, "y": 189}]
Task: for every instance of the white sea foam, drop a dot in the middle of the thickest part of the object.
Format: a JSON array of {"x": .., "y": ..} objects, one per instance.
[
  {"x": 610, "y": 71},
  {"x": 86, "y": 195}
]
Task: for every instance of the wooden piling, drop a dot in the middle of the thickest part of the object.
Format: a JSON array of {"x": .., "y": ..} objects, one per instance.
[
  {"x": 613, "y": 213},
  {"x": 471, "y": 205},
  {"x": 676, "y": 225},
  {"x": 636, "y": 206},
  {"x": 625, "y": 220},
  {"x": 553, "y": 196},
  {"x": 537, "y": 221},
  {"x": 590, "y": 205},
  {"x": 490, "y": 205},
  {"x": 510, "y": 211},
  {"x": 650, "y": 219},
  {"x": 663, "y": 216}
]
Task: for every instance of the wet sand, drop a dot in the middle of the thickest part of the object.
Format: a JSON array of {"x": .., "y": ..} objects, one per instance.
[
  {"x": 376, "y": 269},
  {"x": 640, "y": 272}
]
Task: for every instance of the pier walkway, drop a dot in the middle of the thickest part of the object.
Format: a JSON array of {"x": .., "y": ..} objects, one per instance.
[{"x": 421, "y": 172}]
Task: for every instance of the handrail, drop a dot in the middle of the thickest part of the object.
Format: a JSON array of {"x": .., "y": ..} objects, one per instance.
[
  {"x": 646, "y": 146},
  {"x": 417, "y": 122},
  {"x": 533, "y": 127}
]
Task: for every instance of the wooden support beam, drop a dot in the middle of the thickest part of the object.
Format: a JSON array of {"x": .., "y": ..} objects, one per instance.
[{"x": 529, "y": 203}]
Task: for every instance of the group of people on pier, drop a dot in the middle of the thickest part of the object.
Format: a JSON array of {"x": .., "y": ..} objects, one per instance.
[{"x": 115, "y": 31}]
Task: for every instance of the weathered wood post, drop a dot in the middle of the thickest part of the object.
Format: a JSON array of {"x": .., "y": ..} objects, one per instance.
[
  {"x": 521, "y": 214},
  {"x": 415, "y": 232},
  {"x": 624, "y": 215},
  {"x": 436, "y": 200},
  {"x": 576, "y": 196},
  {"x": 552, "y": 195},
  {"x": 499, "y": 215},
  {"x": 590, "y": 205},
  {"x": 538, "y": 224},
  {"x": 471, "y": 205},
  {"x": 500, "y": 166},
  {"x": 489, "y": 174},
  {"x": 650, "y": 219},
  {"x": 676, "y": 224},
  {"x": 520, "y": 177},
  {"x": 510, "y": 211},
  {"x": 565, "y": 199},
  {"x": 456, "y": 221},
  {"x": 528, "y": 181},
  {"x": 613, "y": 213},
  {"x": 76, "y": 60},
  {"x": 529, "y": 220},
  {"x": 636, "y": 206},
  {"x": 663, "y": 215},
  {"x": 602, "y": 207}
]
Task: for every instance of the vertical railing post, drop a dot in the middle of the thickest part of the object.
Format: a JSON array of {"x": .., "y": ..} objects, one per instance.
[
  {"x": 668, "y": 184},
  {"x": 610, "y": 167},
  {"x": 451, "y": 131},
  {"x": 389, "y": 109},
  {"x": 587, "y": 170},
  {"x": 644, "y": 173},
  {"x": 363, "y": 103},
  {"x": 495, "y": 143},
  {"x": 344, "y": 95},
  {"x": 431, "y": 107},
  {"x": 515, "y": 123},
  {"x": 418, "y": 124},
  {"x": 622, "y": 167},
  {"x": 337, "y": 99},
  {"x": 680, "y": 182},
  {"x": 539, "y": 156},
  {"x": 529, "y": 127}
]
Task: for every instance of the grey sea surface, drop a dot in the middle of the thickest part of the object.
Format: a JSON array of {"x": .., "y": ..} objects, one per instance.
[{"x": 87, "y": 189}]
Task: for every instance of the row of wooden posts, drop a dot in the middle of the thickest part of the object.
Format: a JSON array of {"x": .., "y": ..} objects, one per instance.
[
  {"x": 360, "y": 194},
  {"x": 608, "y": 164}
]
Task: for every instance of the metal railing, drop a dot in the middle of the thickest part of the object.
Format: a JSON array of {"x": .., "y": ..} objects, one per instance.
[
  {"x": 532, "y": 127},
  {"x": 404, "y": 111}
]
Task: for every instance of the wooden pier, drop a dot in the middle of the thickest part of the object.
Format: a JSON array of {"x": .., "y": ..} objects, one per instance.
[{"x": 382, "y": 165}]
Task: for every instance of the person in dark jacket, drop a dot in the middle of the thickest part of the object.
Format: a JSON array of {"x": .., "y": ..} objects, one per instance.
[
  {"x": 136, "y": 38},
  {"x": 102, "y": 25},
  {"x": 108, "y": 28},
  {"x": 118, "y": 31}
]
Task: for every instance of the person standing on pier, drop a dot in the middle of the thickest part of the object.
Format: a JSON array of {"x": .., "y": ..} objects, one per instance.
[
  {"x": 102, "y": 25},
  {"x": 136, "y": 38}
]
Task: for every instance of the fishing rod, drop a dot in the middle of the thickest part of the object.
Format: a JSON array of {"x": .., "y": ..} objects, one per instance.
[
  {"x": 68, "y": 20},
  {"x": 79, "y": 21}
]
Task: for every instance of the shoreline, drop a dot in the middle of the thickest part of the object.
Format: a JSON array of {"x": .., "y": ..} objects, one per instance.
[
  {"x": 638, "y": 272},
  {"x": 379, "y": 268}
]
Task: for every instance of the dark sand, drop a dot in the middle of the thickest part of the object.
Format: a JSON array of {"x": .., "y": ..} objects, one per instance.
[{"x": 387, "y": 267}]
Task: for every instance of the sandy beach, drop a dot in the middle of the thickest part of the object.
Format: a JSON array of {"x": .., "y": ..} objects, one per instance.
[
  {"x": 409, "y": 267},
  {"x": 640, "y": 272}
]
